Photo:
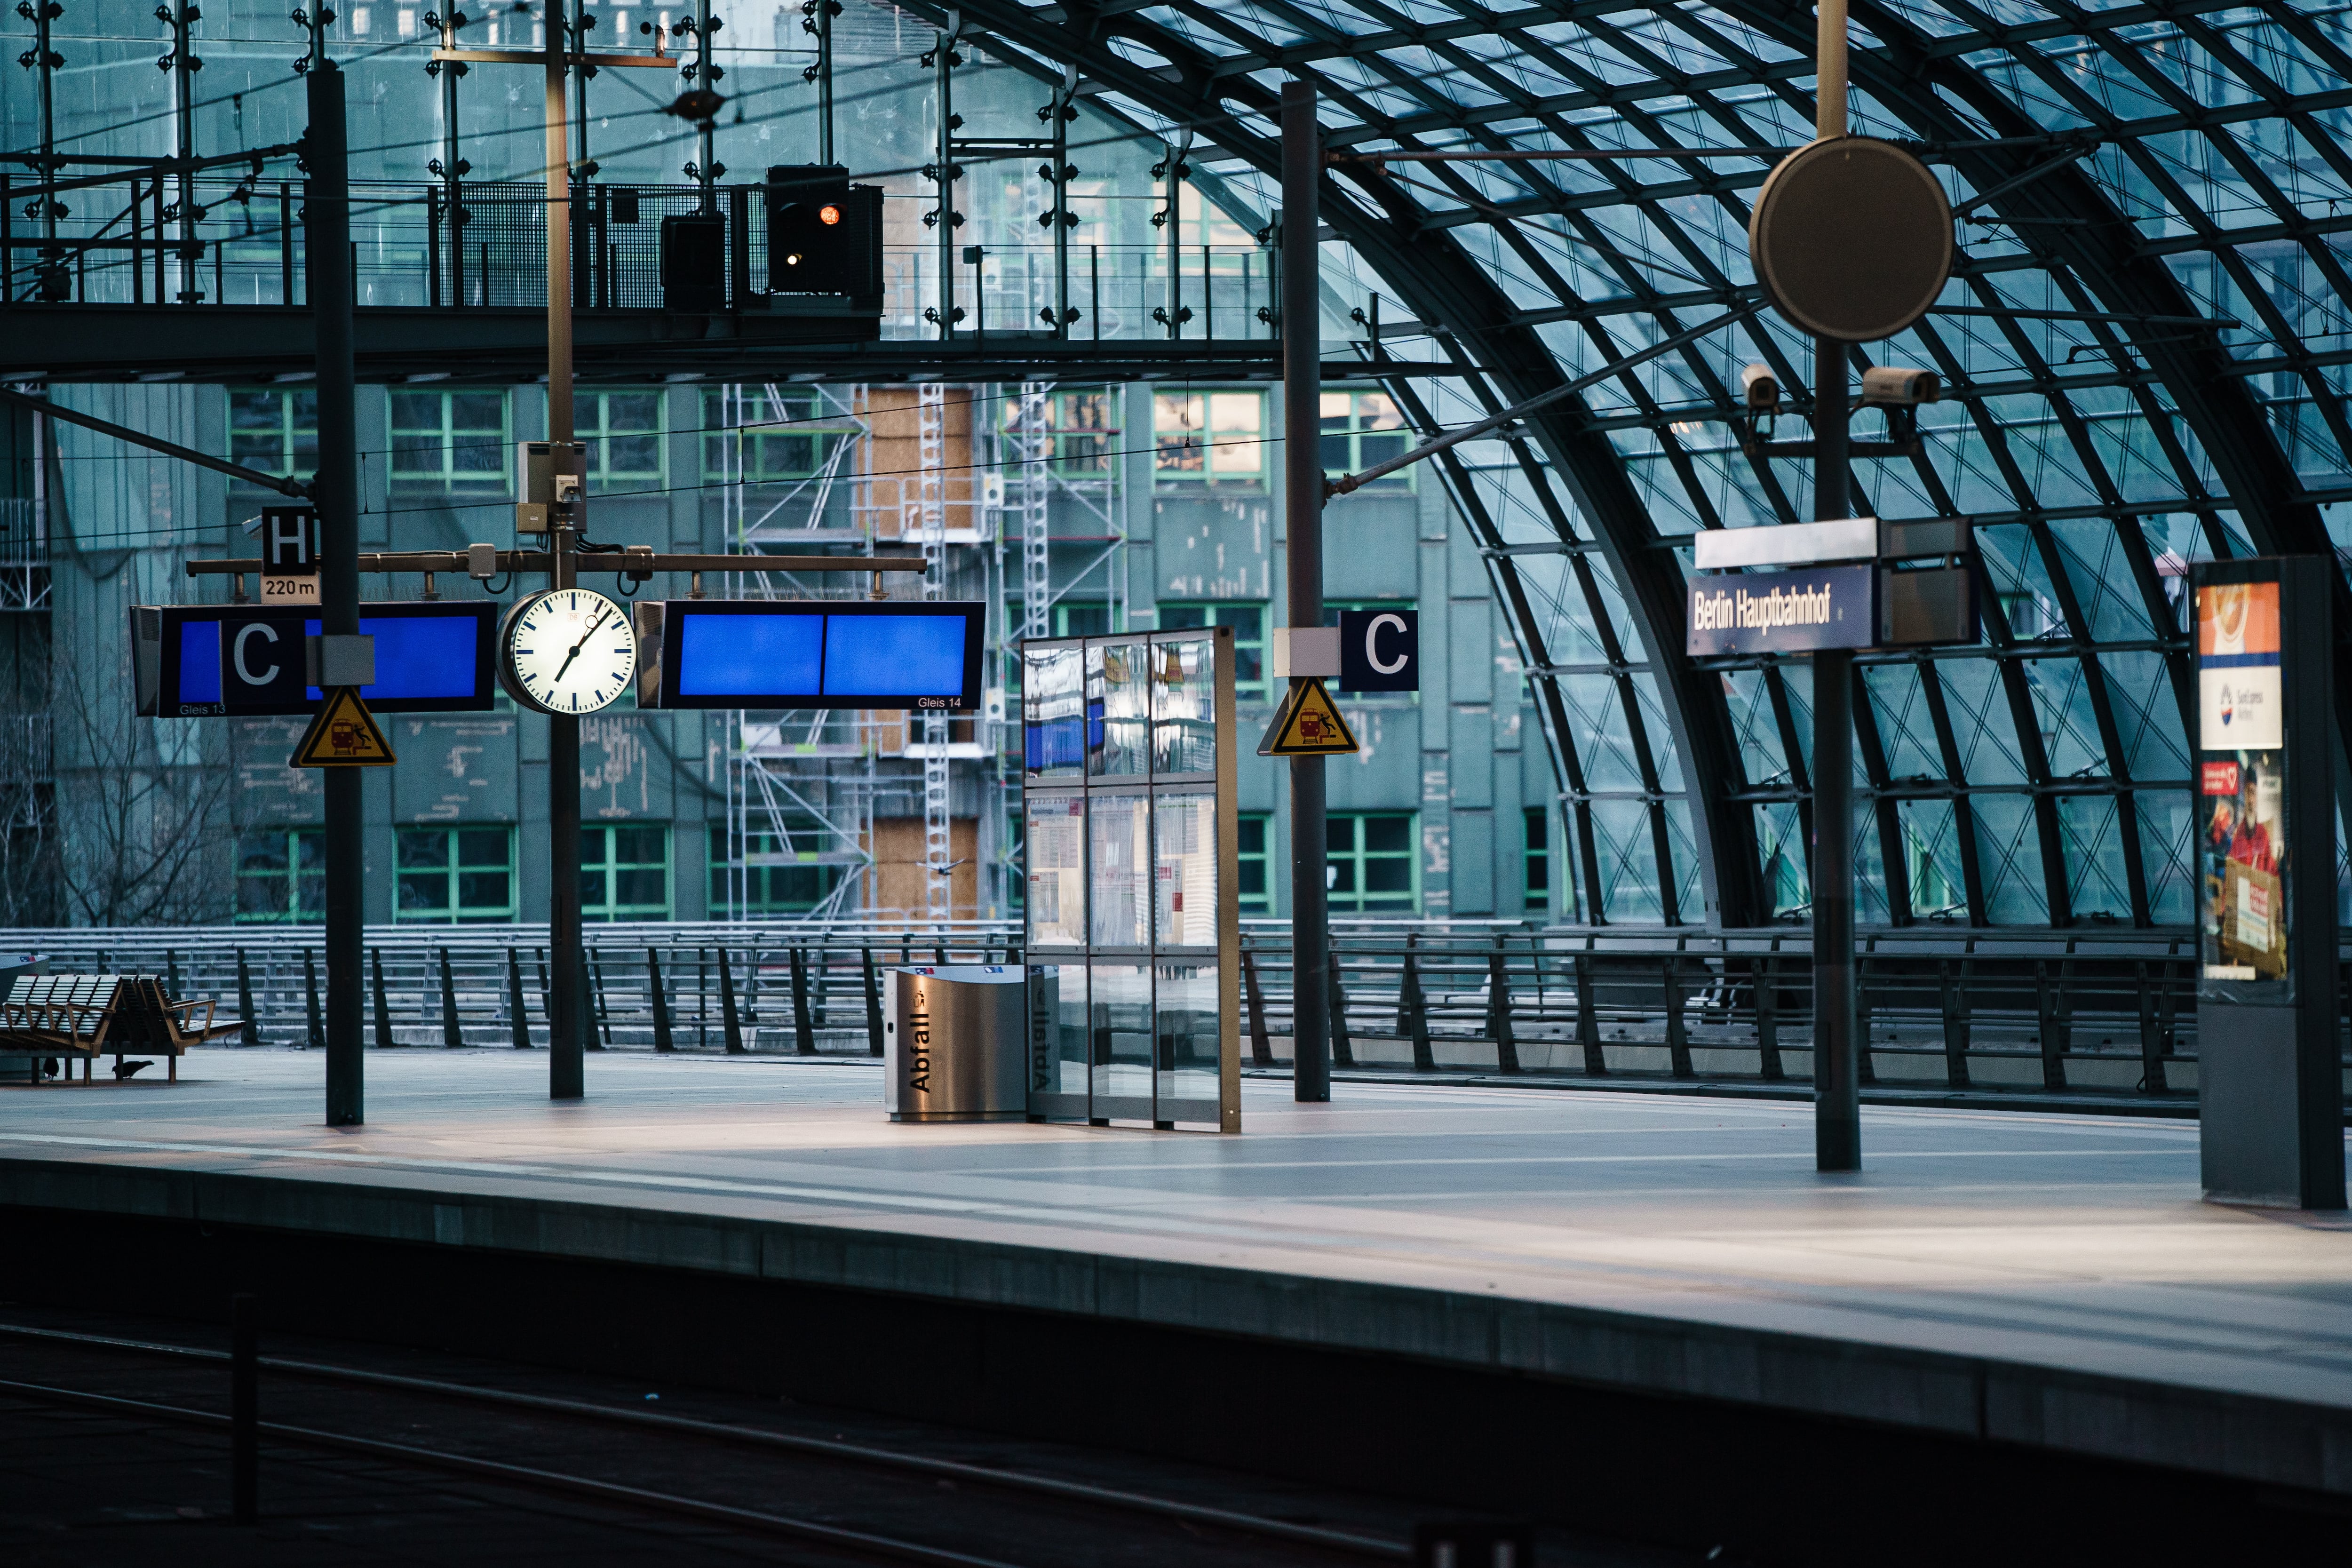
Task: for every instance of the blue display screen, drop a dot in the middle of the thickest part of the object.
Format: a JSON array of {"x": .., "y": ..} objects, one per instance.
[
  {"x": 914, "y": 655},
  {"x": 725, "y": 656},
  {"x": 200, "y": 661},
  {"x": 418, "y": 658},
  {"x": 737, "y": 653}
]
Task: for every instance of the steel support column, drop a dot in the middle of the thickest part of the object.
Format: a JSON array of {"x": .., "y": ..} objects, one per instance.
[{"x": 1302, "y": 496}]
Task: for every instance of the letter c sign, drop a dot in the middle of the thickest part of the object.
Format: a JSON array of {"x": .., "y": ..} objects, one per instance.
[{"x": 1379, "y": 650}]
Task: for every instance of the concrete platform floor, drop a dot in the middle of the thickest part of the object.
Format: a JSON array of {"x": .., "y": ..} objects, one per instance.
[{"x": 1682, "y": 1244}]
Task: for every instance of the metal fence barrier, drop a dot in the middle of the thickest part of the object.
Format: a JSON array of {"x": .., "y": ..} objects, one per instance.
[{"x": 2091, "y": 1014}]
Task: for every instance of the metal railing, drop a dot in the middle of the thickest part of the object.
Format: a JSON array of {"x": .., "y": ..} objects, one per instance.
[{"x": 2078, "y": 1014}]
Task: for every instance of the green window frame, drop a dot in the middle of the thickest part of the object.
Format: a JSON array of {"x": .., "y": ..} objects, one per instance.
[
  {"x": 1248, "y": 621},
  {"x": 785, "y": 874},
  {"x": 1254, "y": 858},
  {"x": 1213, "y": 439},
  {"x": 1083, "y": 431},
  {"x": 624, "y": 871},
  {"x": 625, "y": 432},
  {"x": 450, "y": 443},
  {"x": 455, "y": 875},
  {"x": 809, "y": 427},
  {"x": 281, "y": 875},
  {"x": 1362, "y": 429},
  {"x": 1373, "y": 860},
  {"x": 1535, "y": 857},
  {"x": 274, "y": 430}
]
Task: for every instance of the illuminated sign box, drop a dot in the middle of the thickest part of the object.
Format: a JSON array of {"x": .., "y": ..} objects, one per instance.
[
  {"x": 771, "y": 653},
  {"x": 194, "y": 661}
]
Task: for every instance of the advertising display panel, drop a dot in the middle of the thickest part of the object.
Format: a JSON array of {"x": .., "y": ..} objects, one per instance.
[
  {"x": 1129, "y": 861},
  {"x": 2242, "y": 783}
]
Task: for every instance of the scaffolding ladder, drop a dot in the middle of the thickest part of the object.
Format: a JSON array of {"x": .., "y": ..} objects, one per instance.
[
  {"x": 931, "y": 501},
  {"x": 1032, "y": 438}
]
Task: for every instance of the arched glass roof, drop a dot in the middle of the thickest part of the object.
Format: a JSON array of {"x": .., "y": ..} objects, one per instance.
[{"x": 2144, "y": 346}]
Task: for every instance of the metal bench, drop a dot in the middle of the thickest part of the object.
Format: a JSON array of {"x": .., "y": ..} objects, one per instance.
[
  {"x": 85, "y": 1016},
  {"x": 62, "y": 1017}
]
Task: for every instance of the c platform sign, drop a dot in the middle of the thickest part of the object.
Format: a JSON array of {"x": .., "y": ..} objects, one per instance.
[{"x": 1379, "y": 650}]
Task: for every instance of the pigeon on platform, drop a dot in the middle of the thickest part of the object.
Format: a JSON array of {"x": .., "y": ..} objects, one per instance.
[{"x": 124, "y": 1069}]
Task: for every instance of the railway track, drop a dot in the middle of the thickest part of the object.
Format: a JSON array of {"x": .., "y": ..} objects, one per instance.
[{"x": 537, "y": 1442}]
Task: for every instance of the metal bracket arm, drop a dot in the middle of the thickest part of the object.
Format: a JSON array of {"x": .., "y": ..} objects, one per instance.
[
  {"x": 632, "y": 563},
  {"x": 297, "y": 489}
]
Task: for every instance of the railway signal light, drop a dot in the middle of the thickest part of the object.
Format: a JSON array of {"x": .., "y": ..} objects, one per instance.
[{"x": 824, "y": 235}]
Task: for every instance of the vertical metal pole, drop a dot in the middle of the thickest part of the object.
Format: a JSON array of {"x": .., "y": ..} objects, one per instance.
[
  {"x": 944, "y": 44},
  {"x": 245, "y": 1403},
  {"x": 566, "y": 1026},
  {"x": 336, "y": 494},
  {"x": 1837, "y": 1100},
  {"x": 1302, "y": 400},
  {"x": 1063, "y": 114},
  {"x": 824, "y": 10},
  {"x": 705, "y": 75}
]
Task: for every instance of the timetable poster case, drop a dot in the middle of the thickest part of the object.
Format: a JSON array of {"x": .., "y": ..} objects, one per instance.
[
  {"x": 1129, "y": 866},
  {"x": 2245, "y": 848}
]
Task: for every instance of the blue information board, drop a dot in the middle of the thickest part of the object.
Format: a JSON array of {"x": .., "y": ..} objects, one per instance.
[
  {"x": 767, "y": 653},
  {"x": 234, "y": 660}
]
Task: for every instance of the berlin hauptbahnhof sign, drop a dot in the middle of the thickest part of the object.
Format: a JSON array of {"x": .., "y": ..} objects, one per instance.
[{"x": 1857, "y": 582}]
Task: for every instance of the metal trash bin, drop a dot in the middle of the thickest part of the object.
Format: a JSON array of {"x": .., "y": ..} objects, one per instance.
[{"x": 953, "y": 1040}]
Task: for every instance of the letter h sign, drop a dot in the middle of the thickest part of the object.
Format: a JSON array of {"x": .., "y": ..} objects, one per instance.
[{"x": 290, "y": 540}]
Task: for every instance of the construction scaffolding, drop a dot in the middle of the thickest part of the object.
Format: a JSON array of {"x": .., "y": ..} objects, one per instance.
[{"x": 884, "y": 815}]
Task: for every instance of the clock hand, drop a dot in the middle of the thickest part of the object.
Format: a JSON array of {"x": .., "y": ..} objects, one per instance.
[{"x": 568, "y": 658}]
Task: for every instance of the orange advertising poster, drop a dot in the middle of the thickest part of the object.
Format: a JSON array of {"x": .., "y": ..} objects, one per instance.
[{"x": 2234, "y": 619}]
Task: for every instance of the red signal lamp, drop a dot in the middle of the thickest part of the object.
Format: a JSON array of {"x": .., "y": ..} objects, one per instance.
[{"x": 828, "y": 214}]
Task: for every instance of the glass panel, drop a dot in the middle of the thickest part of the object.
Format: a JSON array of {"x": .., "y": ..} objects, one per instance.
[
  {"x": 1118, "y": 836},
  {"x": 1057, "y": 871},
  {"x": 1184, "y": 877},
  {"x": 1116, "y": 673},
  {"x": 1186, "y": 1010},
  {"x": 1120, "y": 1013},
  {"x": 1057, "y": 1029},
  {"x": 1053, "y": 703},
  {"x": 1184, "y": 707}
]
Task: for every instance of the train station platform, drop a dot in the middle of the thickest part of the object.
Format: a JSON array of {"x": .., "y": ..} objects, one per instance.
[{"x": 1480, "y": 1287}]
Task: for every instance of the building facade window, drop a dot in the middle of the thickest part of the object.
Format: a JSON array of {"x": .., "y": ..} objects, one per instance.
[
  {"x": 779, "y": 438},
  {"x": 1082, "y": 432},
  {"x": 1254, "y": 854},
  {"x": 282, "y": 875},
  {"x": 623, "y": 431},
  {"x": 781, "y": 874},
  {"x": 624, "y": 872},
  {"x": 1082, "y": 618},
  {"x": 1361, "y": 429},
  {"x": 1535, "y": 856},
  {"x": 275, "y": 429},
  {"x": 1212, "y": 439},
  {"x": 1372, "y": 868},
  {"x": 1248, "y": 621},
  {"x": 455, "y": 875},
  {"x": 450, "y": 443}
]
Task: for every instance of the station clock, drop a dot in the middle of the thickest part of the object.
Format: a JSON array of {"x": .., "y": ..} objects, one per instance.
[{"x": 567, "y": 651}]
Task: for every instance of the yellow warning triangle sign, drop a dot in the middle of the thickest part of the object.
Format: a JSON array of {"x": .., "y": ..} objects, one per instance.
[
  {"x": 1307, "y": 725},
  {"x": 343, "y": 735}
]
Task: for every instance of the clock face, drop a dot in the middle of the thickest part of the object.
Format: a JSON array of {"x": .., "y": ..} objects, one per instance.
[{"x": 568, "y": 650}]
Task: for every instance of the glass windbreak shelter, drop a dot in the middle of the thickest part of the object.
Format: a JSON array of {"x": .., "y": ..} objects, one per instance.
[{"x": 1134, "y": 939}]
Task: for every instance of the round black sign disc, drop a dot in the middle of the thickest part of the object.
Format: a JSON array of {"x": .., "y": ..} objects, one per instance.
[{"x": 1851, "y": 239}]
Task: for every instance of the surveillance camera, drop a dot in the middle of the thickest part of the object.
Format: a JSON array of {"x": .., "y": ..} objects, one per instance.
[
  {"x": 1889, "y": 384},
  {"x": 1759, "y": 389}
]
